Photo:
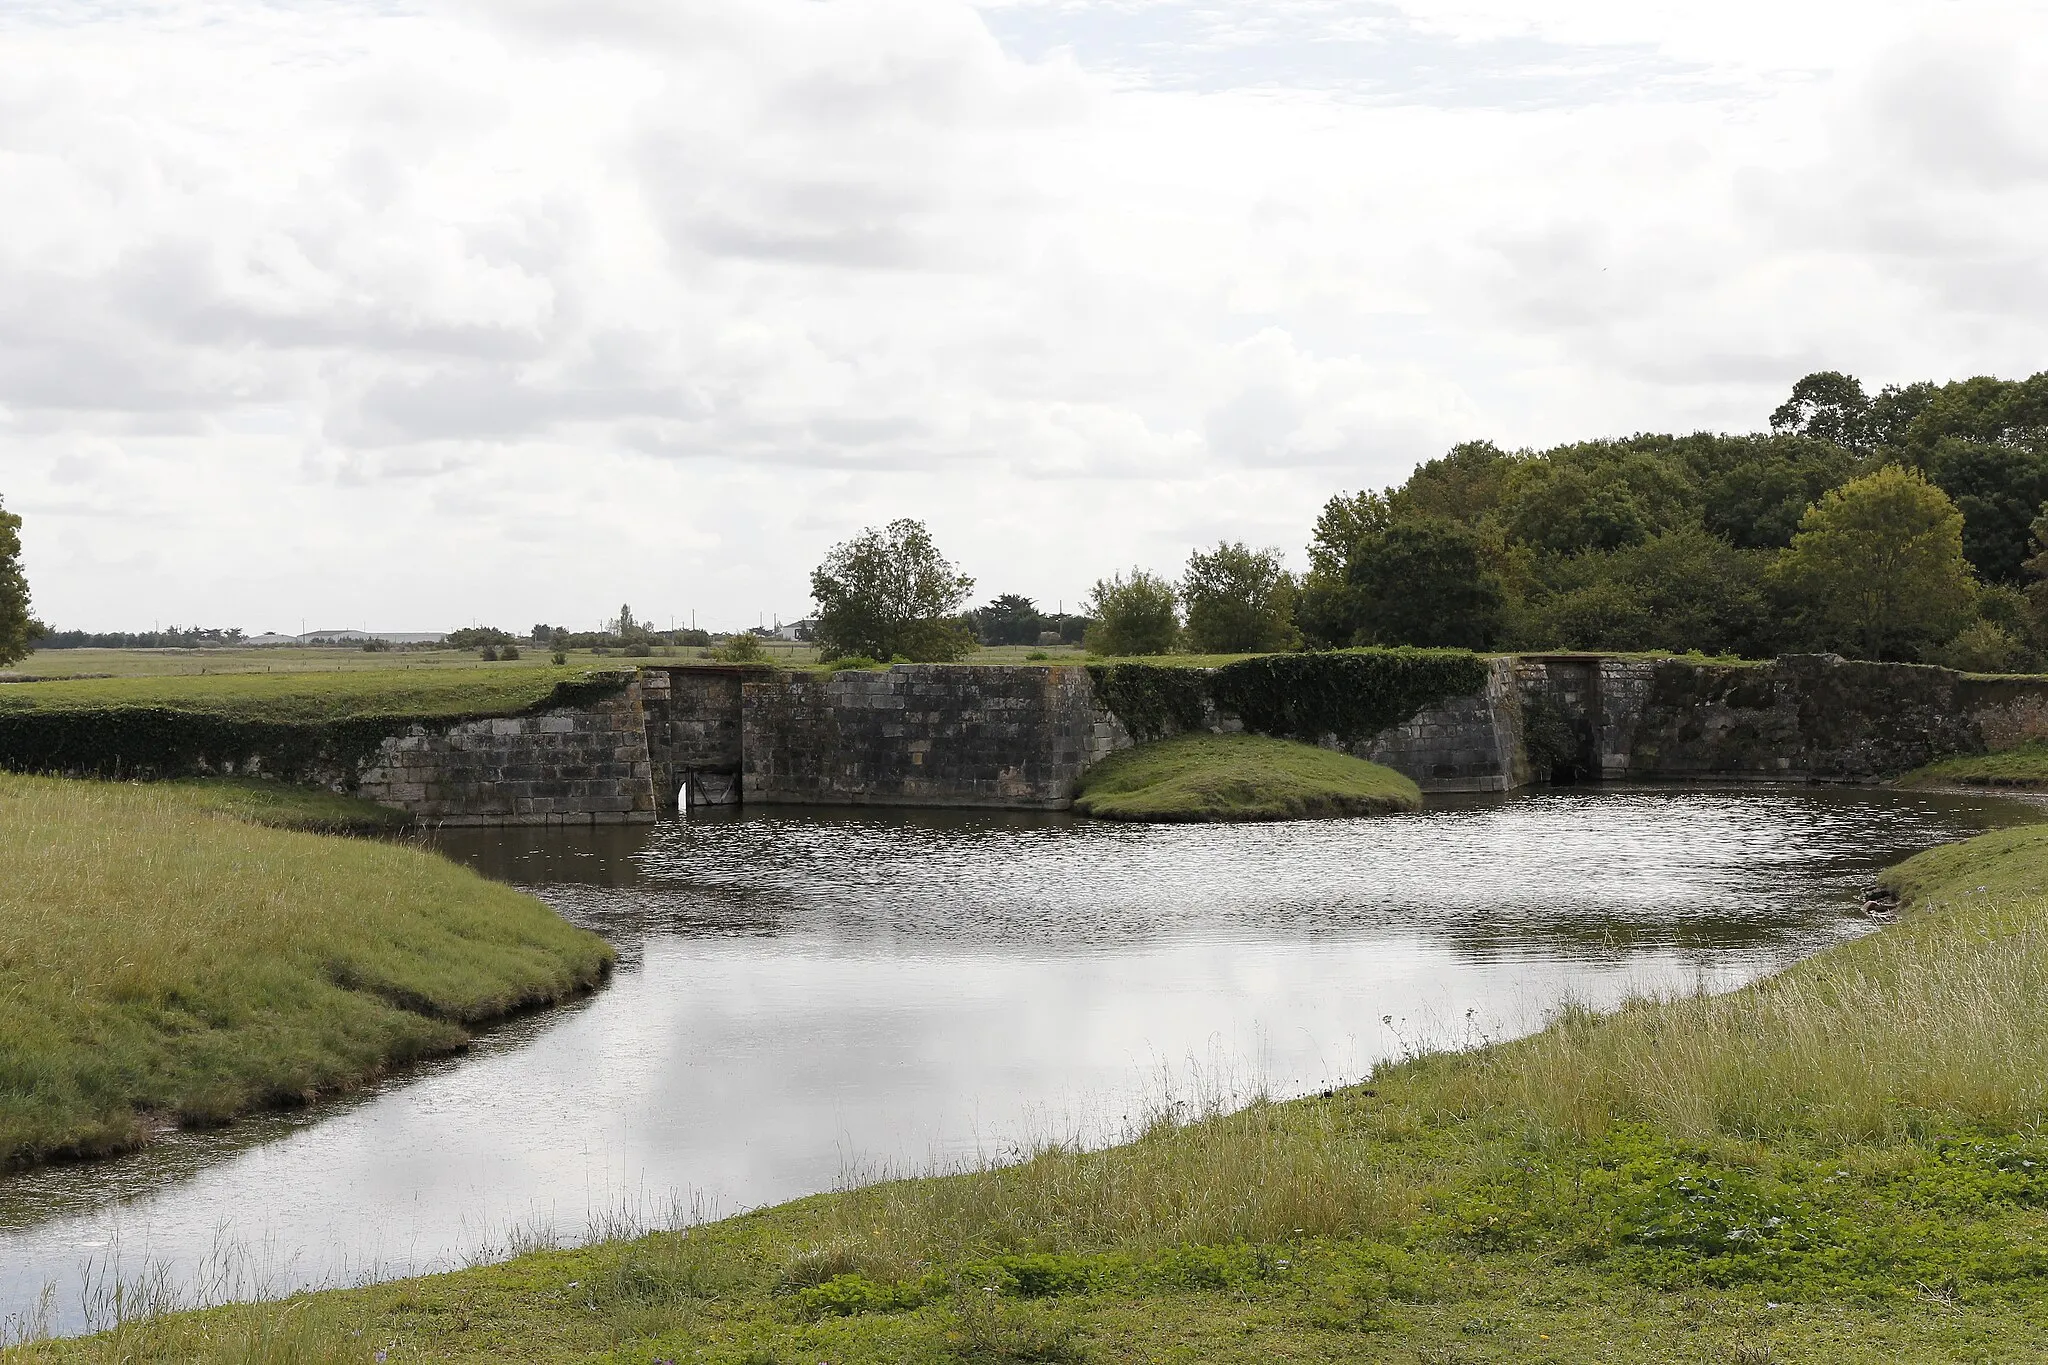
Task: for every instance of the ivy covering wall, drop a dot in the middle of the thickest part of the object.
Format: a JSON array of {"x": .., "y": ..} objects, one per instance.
[{"x": 1352, "y": 693}]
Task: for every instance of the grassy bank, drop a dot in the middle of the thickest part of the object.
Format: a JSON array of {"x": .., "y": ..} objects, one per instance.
[
  {"x": 1842, "y": 1162},
  {"x": 164, "y": 960},
  {"x": 1239, "y": 777},
  {"x": 497, "y": 689},
  {"x": 2026, "y": 766}
]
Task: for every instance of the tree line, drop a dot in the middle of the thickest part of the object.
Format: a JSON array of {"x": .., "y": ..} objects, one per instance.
[{"x": 1905, "y": 525}]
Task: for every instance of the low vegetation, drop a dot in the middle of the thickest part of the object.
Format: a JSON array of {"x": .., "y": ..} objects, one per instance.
[
  {"x": 1239, "y": 777},
  {"x": 283, "y": 805},
  {"x": 300, "y": 696},
  {"x": 1844, "y": 1162},
  {"x": 163, "y": 961},
  {"x": 2025, "y": 766}
]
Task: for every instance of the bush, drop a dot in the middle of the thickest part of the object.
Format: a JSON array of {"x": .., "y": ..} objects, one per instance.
[
  {"x": 489, "y": 654},
  {"x": 1239, "y": 601},
  {"x": 1135, "y": 615},
  {"x": 560, "y": 658},
  {"x": 847, "y": 661},
  {"x": 508, "y": 653},
  {"x": 639, "y": 649},
  {"x": 1351, "y": 694},
  {"x": 742, "y": 647},
  {"x": 1983, "y": 647}
]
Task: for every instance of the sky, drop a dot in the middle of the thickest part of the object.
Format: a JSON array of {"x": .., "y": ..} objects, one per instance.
[{"x": 408, "y": 314}]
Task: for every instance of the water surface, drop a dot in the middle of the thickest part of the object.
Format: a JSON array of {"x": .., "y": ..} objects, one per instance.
[{"x": 808, "y": 994}]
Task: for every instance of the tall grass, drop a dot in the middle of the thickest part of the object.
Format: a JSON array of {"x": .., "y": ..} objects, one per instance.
[{"x": 163, "y": 964}]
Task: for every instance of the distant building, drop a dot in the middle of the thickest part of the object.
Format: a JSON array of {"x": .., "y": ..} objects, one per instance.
[{"x": 805, "y": 631}]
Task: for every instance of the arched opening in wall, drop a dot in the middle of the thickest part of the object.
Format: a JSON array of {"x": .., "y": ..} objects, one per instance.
[{"x": 1560, "y": 748}]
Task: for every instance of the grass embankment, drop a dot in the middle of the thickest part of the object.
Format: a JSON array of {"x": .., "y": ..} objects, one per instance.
[
  {"x": 162, "y": 961},
  {"x": 302, "y": 696},
  {"x": 1843, "y": 1162},
  {"x": 1239, "y": 777},
  {"x": 2026, "y": 766}
]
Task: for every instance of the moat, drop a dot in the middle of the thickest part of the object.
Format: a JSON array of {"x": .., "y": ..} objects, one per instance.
[{"x": 807, "y": 997}]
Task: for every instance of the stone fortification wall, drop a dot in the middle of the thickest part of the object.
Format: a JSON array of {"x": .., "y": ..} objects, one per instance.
[
  {"x": 1468, "y": 744},
  {"x": 575, "y": 765},
  {"x": 1810, "y": 718},
  {"x": 923, "y": 734},
  {"x": 694, "y": 734}
]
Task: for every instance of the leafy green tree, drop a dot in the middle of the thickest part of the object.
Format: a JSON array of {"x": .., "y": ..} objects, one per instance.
[
  {"x": 1239, "y": 601},
  {"x": 1894, "y": 410},
  {"x": 1138, "y": 614},
  {"x": 1755, "y": 489},
  {"x": 1596, "y": 496},
  {"x": 889, "y": 592},
  {"x": 1011, "y": 619},
  {"x": 1999, "y": 488},
  {"x": 1828, "y": 406},
  {"x": 1685, "y": 589},
  {"x": 18, "y": 629},
  {"x": 1464, "y": 486},
  {"x": 1327, "y": 608},
  {"x": 1427, "y": 582},
  {"x": 1878, "y": 566}
]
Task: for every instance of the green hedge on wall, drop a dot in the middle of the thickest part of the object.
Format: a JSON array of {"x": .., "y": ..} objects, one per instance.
[
  {"x": 126, "y": 741},
  {"x": 1352, "y": 693}
]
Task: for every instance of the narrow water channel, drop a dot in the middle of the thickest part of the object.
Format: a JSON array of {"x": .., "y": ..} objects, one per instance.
[{"x": 810, "y": 996}]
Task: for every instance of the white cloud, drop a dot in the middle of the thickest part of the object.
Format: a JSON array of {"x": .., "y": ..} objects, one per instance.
[{"x": 414, "y": 314}]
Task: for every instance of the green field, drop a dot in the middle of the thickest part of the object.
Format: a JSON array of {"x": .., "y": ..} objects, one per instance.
[
  {"x": 1844, "y": 1163},
  {"x": 1205, "y": 777},
  {"x": 165, "y": 960},
  {"x": 2025, "y": 766}
]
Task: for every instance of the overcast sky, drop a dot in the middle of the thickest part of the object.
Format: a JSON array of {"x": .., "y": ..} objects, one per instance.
[{"x": 411, "y": 314}]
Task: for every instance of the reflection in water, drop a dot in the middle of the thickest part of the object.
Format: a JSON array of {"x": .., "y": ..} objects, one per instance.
[{"x": 802, "y": 994}]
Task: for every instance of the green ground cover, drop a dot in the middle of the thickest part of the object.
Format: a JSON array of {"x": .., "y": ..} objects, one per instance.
[
  {"x": 2026, "y": 766},
  {"x": 303, "y": 696},
  {"x": 163, "y": 961},
  {"x": 284, "y": 805},
  {"x": 1844, "y": 1162},
  {"x": 1239, "y": 777}
]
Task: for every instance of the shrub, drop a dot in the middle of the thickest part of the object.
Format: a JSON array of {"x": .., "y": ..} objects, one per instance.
[
  {"x": 489, "y": 654},
  {"x": 742, "y": 647},
  {"x": 1239, "y": 601},
  {"x": 508, "y": 653},
  {"x": 1134, "y": 615},
  {"x": 847, "y": 661},
  {"x": 560, "y": 658},
  {"x": 639, "y": 649},
  {"x": 1351, "y": 694}
]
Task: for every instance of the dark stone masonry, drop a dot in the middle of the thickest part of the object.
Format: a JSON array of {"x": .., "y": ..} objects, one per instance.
[{"x": 1020, "y": 737}]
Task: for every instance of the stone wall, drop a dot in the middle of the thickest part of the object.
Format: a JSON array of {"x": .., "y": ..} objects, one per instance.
[
  {"x": 1469, "y": 744},
  {"x": 1802, "y": 718},
  {"x": 579, "y": 765},
  {"x": 923, "y": 734},
  {"x": 693, "y": 734}
]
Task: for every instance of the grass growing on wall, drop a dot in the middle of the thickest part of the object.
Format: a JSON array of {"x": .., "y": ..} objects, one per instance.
[
  {"x": 1239, "y": 777},
  {"x": 163, "y": 962},
  {"x": 1841, "y": 1163}
]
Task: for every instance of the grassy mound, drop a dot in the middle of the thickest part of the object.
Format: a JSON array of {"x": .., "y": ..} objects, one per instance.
[
  {"x": 163, "y": 962},
  {"x": 1844, "y": 1162},
  {"x": 2026, "y": 766},
  {"x": 1239, "y": 777}
]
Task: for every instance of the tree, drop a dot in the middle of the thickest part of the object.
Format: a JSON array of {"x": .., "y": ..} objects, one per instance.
[
  {"x": 1010, "y": 619},
  {"x": 1878, "y": 566},
  {"x": 1427, "y": 582},
  {"x": 1829, "y": 406},
  {"x": 1326, "y": 609},
  {"x": 1239, "y": 601},
  {"x": 890, "y": 592},
  {"x": 18, "y": 629},
  {"x": 1999, "y": 488},
  {"x": 1134, "y": 615},
  {"x": 1464, "y": 486}
]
